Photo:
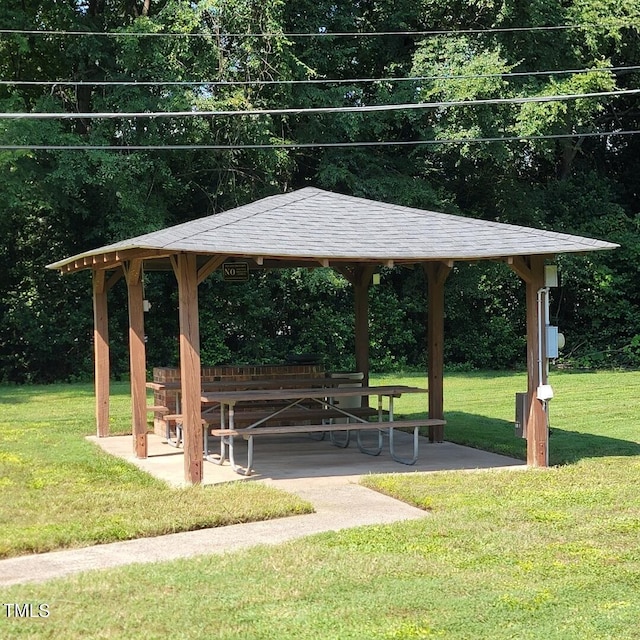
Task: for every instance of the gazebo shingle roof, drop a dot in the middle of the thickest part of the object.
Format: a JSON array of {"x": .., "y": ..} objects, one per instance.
[{"x": 311, "y": 224}]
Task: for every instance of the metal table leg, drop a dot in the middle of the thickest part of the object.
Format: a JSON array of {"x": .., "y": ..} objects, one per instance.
[
  {"x": 375, "y": 451},
  {"x": 222, "y": 456},
  {"x": 396, "y": 457}
]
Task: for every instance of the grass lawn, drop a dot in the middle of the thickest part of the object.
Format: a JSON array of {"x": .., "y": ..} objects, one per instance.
[
  {"x": 544, "y": 553},
  {"x": 59, "y": 490},
  {"x": 593, "y": 414}
]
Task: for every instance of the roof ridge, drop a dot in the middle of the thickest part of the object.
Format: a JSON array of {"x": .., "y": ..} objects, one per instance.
[{"x": 239, "y": 216}]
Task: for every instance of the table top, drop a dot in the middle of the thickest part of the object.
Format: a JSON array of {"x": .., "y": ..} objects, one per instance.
[
  {"x": 290, "y": 382},
  {"x": 287, "y": 394}
]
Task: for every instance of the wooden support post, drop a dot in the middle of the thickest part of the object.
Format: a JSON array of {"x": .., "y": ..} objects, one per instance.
[
  {"x": 137, "y": 358},
  {"x": 537, "y": 429},
  {"x": 101, "y": 353},
  {"x": 190, "y": 375},
  {"x": 436, "y": 273},
  {"x": 531, "y": 270},
  {"x": 361, "y": 281}
]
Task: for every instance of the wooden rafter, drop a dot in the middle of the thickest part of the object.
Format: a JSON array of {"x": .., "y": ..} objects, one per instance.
[{"x": 111, "y": 259}]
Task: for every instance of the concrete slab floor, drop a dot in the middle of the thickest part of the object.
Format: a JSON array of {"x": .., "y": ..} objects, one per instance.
[{"x": 301, "y": 457}]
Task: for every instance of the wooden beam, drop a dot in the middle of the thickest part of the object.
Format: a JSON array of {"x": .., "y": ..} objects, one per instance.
[
  {"x": 346, "y": 272},
  {"x": 135, "y": 253},
  {"x": 133, "y": 271},
  {"x": 190, "y": 375},
  {"x": 111, "y": 259},
  {"x": 137, "y": 359},
  {"x": 211, "y": 265},
  {"x": 521, "y": 266},
  {"x": 437, "y": 273},
  {"x": 99, "y": 280},
  {"x": 175, "y": 266},
  {"x": 115, "y": 277},
  {"x": 101, "y": 353}
]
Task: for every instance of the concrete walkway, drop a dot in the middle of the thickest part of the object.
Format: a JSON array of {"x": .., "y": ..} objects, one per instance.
[{"x": 318, "y": 472}]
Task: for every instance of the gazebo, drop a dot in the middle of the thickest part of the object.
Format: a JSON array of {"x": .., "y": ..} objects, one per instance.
[{"x": 309, "y": 228}]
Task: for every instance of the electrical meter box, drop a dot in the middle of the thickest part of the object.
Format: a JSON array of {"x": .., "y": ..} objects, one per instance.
[
  {"x": 522, "y": 414},
  {"x": 551, "y": 275}
]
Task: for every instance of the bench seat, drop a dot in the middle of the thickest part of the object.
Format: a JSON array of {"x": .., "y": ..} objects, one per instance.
[
  {"x": 157, "y": 408},
  {"x": 293, "y": 415},
  {"x": 227, "y": 437},
  {"x": 250, "y": 416},
  {"x": 314, "y": 428}
]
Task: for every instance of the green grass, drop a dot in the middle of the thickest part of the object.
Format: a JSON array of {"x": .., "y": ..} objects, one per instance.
[
  {"x": 59, "y": 490},
  {"x": 593, "y": 414},
  {"x": 545, "y": 553}
]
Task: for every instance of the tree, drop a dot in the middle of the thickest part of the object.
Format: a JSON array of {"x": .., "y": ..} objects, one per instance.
[{"x": 60, "y": 202}]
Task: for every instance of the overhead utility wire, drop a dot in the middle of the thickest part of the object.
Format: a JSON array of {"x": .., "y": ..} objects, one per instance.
[
  {"x": 317, "y": 34},
  {"x": 303, "y": 110},
  {"x": 223, "y": 83},
  {"x": 309, "y": 145}
]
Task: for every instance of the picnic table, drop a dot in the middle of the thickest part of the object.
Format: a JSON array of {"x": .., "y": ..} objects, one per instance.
[
  {"x": 233, "y": 384},
  {"x": 316, "y": 411}
]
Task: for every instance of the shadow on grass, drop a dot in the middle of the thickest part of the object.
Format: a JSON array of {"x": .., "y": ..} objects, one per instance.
[
  {"x": 11, "y": 398},
  {"x": 498, "y": 436},
  {"x": 15, "y": 394}
]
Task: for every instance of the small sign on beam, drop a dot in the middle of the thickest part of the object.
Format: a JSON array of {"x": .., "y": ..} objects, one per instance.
[{"x": 235, "y": 271}]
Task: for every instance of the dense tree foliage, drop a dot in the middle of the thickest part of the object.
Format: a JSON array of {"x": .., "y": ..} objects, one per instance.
[{"x": 57, "y": 202}]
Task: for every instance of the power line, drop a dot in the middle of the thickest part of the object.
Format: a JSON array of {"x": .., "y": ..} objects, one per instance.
[
  {"x": 311, "y": 145},
  {"x": 341, "y": 81},
  {"x": 323, "y": 33},
  {"x": 311, "y": 110}
]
